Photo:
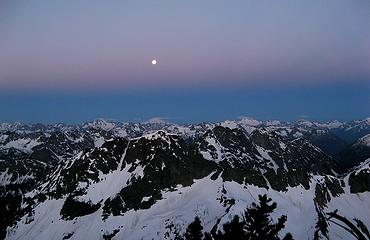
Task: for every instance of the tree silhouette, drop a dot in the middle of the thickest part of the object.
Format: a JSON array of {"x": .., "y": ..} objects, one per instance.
[
  {"x": 194, "y": 230},
  {"x": 359, "y": 232},
  {"x": 207, "y": 236},
  {"x": 258, "y": 223},
  {"x": 232, "y": 230},
  {"x": 362, "y": 227}
]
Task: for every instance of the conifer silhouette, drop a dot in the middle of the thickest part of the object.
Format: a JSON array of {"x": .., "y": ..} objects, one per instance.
[
  {"x": 207, "y": 236},
  {"x": 258, "y": 223},
  {"x": 194, "y": 230},
  {"x": 232, "y": 230}
]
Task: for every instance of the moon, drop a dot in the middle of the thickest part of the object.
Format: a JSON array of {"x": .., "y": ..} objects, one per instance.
[{"x": 154, "y": 62}]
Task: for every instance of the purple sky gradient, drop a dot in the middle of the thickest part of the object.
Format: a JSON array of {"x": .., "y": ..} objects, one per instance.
[{"x": 110, "y": 44}]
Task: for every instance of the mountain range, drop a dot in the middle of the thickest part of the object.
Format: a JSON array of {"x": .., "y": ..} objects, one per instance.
[{"x": 114, "y": 180}]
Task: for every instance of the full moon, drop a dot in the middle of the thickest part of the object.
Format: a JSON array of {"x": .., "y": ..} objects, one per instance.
[{"x": 154, "y": 62}]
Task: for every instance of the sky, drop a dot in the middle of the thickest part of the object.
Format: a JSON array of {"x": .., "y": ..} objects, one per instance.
[{"x": 74, "y": 60}]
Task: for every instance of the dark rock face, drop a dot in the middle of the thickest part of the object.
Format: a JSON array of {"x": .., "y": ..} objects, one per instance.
[
  {"x": 359, "y": 181},
  {"x": 268, "y": 156},
  {"x": 86, "y": 168},
  {"x": 167, "y": 161},
  {"x": 325, "y": 190},
  {"x": 334, "y": 186},
  {"x": 73, "y": 208},
  {"x": 294, "y": 154},
  {"x": 33, "y": 153},
  {"x": 322, "y": 196},
  {"x": 23, "y": 173},
  {"x": 353, "y": 155}
]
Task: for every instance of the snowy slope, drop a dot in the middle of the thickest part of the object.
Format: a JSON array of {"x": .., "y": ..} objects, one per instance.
[{"x": 179, "y": 207}]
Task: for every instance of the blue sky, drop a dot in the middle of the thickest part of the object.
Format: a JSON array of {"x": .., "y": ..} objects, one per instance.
[
  {"x": 76, "y": 60},
  {"x": 324, "y": 102}
]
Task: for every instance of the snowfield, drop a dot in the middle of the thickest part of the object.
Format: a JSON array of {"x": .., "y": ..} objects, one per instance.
[{"x": 179, "y": 207}]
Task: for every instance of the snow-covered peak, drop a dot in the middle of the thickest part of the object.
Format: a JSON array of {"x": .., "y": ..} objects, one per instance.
[
  {"x": 101, "y": 124},
  {"x": 159, "y": 135},
  {"x": 9, "y": 126},
  {"x": 155, "y": 135},
  {"x": 365, "y": 140},
  {"x": 305, "y": 123},
  {"x": 364, "y": 166},
  {"x": 331, "y": 124},
  {"x": 156, "y": 120},
  {"x": 229, "y": 124},
  {"x": 249, "y": 121},
  {"x": 368, "y": 120},
  {"x": 272, "y": 123},
  {"x": 22, "y": 144}
]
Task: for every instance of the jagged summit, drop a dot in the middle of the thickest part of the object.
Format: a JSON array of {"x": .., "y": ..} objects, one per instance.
[{"x": 156, "y": 120}]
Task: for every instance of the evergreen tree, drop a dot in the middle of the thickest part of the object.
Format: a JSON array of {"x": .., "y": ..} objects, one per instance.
[
  {"x": 258, "y": 224},
  {"x": 194, "y": 230},
  {"x": 232, "y": 230}
]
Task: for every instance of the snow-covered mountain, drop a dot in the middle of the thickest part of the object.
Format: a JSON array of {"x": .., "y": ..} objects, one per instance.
[{"x": 112, "y": 180}]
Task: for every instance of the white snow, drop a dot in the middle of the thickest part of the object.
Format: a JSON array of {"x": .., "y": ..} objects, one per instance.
[
  {"x": 364, "y": 140},
  {"x": 298, "y": 134},
  {"x": 3, "y": 138},
  {"x": 101, "y": 124},
  {"x": 158, "y": 135},
  {"x": 5, "y": 177},
  {"x": 22, "y": 144},
  {"x": 145, "y": 199},
  {"x": 215, "y": 153},
  {"x": 272, "y": 123},
  {"x": 282, "y": 133},
  {"x": 331, "y": 124},
  {"x": 180, "y": 207},
  {"x": 9, "y": 126},
  {"x": 229, "y": 124},
  {"x": 107, "y": 187},
  {"x": 249, "y": 121},
  {"x": 305, "y": 123},
  {"x": 121, "y": 133},
  {"x": 282, "y": 145},
  {"x": 98, "y": 142},
  {"x": 264, "y": 153}
]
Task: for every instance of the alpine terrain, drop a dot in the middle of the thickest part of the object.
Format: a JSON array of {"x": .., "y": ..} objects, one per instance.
[{"x": 112, "y": 180}]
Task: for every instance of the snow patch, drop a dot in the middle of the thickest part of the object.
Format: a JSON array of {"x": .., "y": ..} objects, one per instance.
[{"x": 23, "y": 144}]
